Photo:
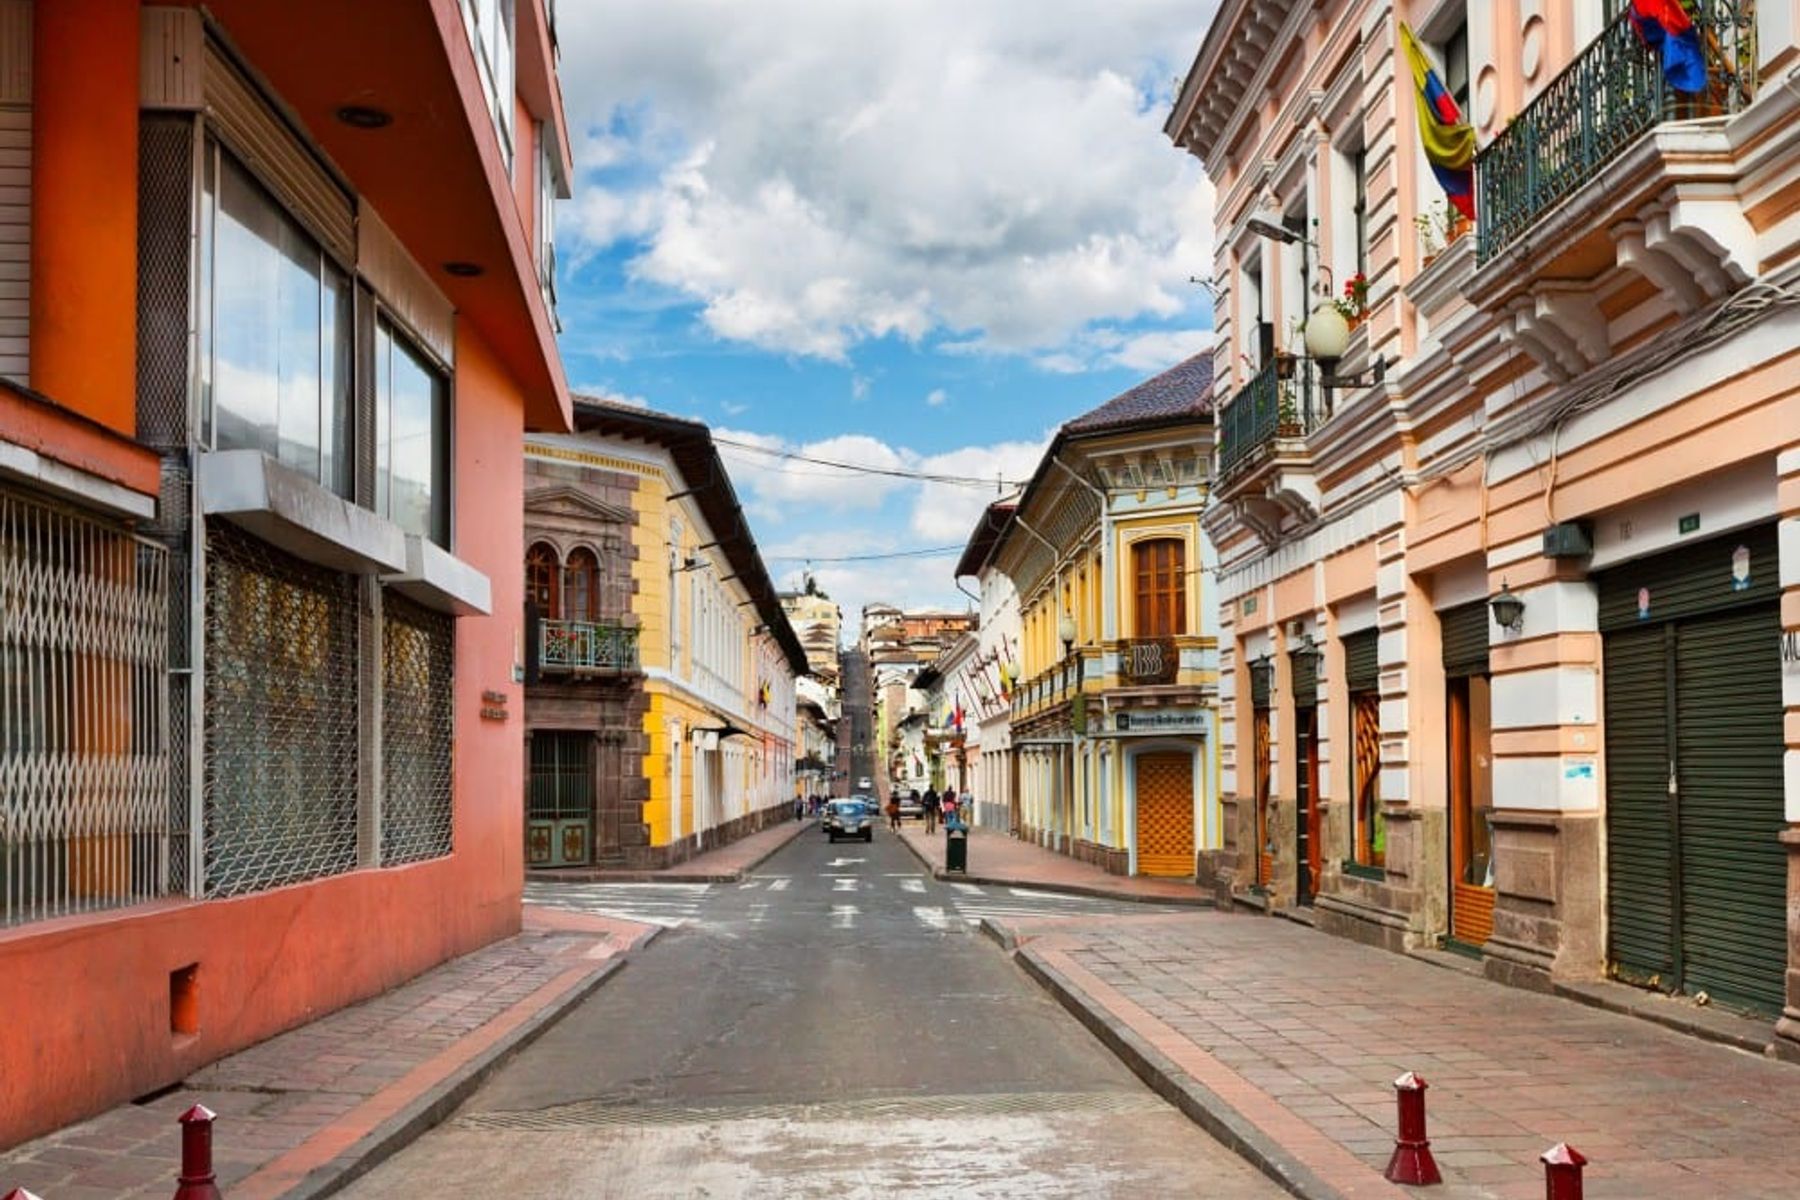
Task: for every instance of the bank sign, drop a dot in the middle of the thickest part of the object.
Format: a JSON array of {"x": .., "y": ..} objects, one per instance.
[{"x": 1161, "y": 720}]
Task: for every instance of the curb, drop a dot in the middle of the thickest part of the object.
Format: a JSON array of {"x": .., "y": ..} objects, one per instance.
[
  {"x": 437, "y": 1103},
  {"x": 1198, "y": 1103},
  {"x": 1198, "y": 900}
]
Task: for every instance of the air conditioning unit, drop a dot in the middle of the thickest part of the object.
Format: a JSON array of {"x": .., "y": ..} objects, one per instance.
[{"x": 1569, "y": 539}]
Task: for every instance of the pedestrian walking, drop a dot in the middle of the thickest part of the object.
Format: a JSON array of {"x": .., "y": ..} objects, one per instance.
[
  {"x": 931, "y": 810},
  {"x": 893, "y": 813},
  {"x": 950, "y": 805},
  {"x": 799, "y": 808}
]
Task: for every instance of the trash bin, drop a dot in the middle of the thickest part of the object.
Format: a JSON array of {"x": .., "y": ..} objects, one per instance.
[{"x": 956, "y": 846}]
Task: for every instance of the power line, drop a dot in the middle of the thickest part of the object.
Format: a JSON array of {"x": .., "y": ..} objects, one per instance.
[
  {"x": 865, "y": 469},
  {"x": 927, "y": 552}
]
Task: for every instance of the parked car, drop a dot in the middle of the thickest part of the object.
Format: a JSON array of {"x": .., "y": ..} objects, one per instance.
[
  {"x": 911, "y": 807},
  {"x": 850, "y": 818}
]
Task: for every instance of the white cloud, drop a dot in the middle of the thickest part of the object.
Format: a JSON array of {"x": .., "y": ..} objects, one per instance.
[
  {"x": 826, "y": 174},
  {"x": 936, "y": 398},
  {"x": 605, "y": 391}
]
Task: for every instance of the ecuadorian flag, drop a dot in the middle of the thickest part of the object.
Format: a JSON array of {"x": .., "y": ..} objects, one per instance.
[
  {"x": 1449, "y": 140},
  {"x": 1665, "y": 27}
]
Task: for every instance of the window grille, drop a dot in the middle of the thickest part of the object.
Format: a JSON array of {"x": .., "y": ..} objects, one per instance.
[
  {"x": 84, "y": 763},
  {"x": 417, "y": 655},
  {"x": 281, "y": 717}
]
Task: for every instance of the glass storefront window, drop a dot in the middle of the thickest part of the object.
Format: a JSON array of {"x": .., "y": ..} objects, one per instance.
[
  {"x": 274, "y": 332},
  {"x": 412, "y": 438}
]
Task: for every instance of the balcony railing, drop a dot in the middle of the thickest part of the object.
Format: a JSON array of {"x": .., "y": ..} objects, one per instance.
[
  {"x": 587, "y": 646},
  {"x": 1279, "y": 402},
  {"x": 1603, "y": 102}
]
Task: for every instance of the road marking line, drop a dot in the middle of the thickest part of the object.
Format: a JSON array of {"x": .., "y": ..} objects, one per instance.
[
  {"x": 843, "y": 885},
  {"x": 912, "y": 885},
  {"x": 969, "y": 888},
  {"x": 779, "y": 885},
  {"x": 843, "y": 916},
  {"x": 845, "y": 862},
  {"x": 748, "y": 884},
  {"x": 931, "y": 916},
  {"x": 1057, "y": 896}
]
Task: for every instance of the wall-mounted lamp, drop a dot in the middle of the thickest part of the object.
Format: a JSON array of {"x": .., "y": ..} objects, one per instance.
[
  {"x": 1306, "y": 647},
  {"x": 1509, "y": 610},
  {"x": 1065, "y": 629}
]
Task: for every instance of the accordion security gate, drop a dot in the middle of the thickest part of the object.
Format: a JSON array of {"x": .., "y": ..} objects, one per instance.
[
  {"x": 416, "y": 654},
  {"x": 84, "y": 763}
]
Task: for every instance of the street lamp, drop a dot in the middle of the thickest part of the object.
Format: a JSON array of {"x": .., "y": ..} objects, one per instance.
[
  {"x": 1509, "y": 610},
  {"x": 1065, "y": 629}
]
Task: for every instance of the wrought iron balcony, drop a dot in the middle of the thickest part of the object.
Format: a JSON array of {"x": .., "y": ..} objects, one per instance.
[
  {"x": 587, "y": 646},
  {"x": 1279, "y": 402},
  {"x": 1604, "y": 101}
]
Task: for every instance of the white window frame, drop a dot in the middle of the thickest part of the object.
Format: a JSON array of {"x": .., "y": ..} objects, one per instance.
[{"x": 492, "y": 36}]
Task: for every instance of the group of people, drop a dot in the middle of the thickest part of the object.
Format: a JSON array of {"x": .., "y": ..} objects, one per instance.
[{"x": 948, "y": 807}]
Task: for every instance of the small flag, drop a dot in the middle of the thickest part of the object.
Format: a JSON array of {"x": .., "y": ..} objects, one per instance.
[
  {"x": 1449, "y": 140},
  {"x": 956, "y": 717},
  {"x": 1665, "y": 27}
]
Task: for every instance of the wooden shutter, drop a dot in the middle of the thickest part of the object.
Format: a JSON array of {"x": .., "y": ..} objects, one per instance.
[{"x": 1159, "y": 572}]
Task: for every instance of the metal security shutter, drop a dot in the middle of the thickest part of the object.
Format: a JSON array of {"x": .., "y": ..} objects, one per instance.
[
  {"x": 1362, "y": 670},
  {"x": 1698, "y": 578},
  {"x": 1465, "y": 633},
  {"x": 1640, "y": 826},
  {"x": 1728, "y": 754},
  {"x": 1306, "y": 678}
]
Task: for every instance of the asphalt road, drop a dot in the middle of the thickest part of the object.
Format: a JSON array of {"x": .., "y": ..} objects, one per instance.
[{"x": 833, "y": 1027}]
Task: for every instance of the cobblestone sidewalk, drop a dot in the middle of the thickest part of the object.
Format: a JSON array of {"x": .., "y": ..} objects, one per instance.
[
  {"x": 299, "y": 1112},
  {"x": 1294, "y": 1039}
]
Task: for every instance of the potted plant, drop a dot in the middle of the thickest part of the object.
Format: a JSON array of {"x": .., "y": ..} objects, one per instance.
[
  {"x": 1439, "y": 228},
  {"x": 1353, "y": 305},
  {"x": 1287, "y": 414}
]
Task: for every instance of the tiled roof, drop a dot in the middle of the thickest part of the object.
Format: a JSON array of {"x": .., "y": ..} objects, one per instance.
[{"x": 1184, "y": 390}]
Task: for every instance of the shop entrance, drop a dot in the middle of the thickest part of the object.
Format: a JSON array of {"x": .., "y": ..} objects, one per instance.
[
  {"x": 1696, "y": 874},
  {"x": 1470, "y": 791},
  {"x": 560, "y": 808},
  {"x": 1165, "y": 813}
]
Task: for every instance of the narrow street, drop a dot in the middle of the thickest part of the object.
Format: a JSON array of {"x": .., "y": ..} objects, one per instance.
[{"x": 834, "y": 1026}]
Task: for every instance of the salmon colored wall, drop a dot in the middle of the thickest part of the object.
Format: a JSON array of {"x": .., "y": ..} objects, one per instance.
[
  {"x": 96, "y": 988},
  {"x": 84, "y": 207}
]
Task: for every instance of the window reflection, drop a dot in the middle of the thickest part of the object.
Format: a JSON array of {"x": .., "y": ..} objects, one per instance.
[
  {"x": 275, "y": 341},
  {"x": 412, "y": 439}
]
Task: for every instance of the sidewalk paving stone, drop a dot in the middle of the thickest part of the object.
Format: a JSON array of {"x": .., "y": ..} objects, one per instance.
[
  {"x": 304, "y": 1112},
  {"x": 1002, "y": 860},
  {"x": 1290, "y": 1040},
  {"x": 724, "y": 864}
]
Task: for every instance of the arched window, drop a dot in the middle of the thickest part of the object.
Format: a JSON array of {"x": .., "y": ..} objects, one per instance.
[
  {"x": 543, "y": 580},
  {"x": 581, "y": 586},
  {"x": 1159, "y": 570}
]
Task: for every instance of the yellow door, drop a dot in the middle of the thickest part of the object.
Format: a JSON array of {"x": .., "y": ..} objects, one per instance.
[{"x": 1165, "y": 814}]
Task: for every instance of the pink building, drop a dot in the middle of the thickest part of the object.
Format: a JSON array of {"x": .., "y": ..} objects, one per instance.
[
  {"x": 276, "y": 309},
  {"x": 1510, "y": 609}
]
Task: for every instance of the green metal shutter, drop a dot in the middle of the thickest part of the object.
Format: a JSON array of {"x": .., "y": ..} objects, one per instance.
[
  {"x": 1640, "y": 831},
  {"x": 1465, "y": 632},
  {"x": 1728, "y": 755},
  {"x": 1306, "y": 678},
  {"x": 1697, "y": 578},
  {"x": 1362, "y": 669},
  {"x": 1259, "y": 684}
]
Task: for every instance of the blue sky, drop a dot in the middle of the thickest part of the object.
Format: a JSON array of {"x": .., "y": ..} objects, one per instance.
[{"x": 917, "y": 236}]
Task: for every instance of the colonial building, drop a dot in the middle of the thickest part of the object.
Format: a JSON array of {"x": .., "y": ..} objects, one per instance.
[
  {"x": 819, "y": 622},
  {"x": 1506, "y": 605},
  {"x": 260, "y": 442},
  {"x": 1113, "y": 726},
  {"x": 993, "y": 672},
  {"x": 660, "y": 716}
]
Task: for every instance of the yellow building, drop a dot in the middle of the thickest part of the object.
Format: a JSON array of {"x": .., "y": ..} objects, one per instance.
[
  {"x": 660, "y": 705},
  {"x": 1114, "y": 720}
]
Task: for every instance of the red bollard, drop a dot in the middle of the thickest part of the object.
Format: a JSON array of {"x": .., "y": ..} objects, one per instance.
[
  {"x": 196, "y": 1179},
  {"x": 1562, "y": 1172},
  {"x": 19, "y": 1194},
  {"x": 1412, "y": 1162}
]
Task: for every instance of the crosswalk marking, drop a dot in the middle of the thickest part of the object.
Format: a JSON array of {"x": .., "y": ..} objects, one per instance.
[
  {"x": 969, "y": 888},
  {"x": 748, "y": 884},
  {"x": 912, "y": 885},
  {"x": 779, "y": 885},
  {"x": 666, "y": 904},
  {"x": 931, "y": 916},
  {"x": 973, "y": 903},
  {"x": 843, "y": 916},
  {"x": 843, "y": 885}
]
